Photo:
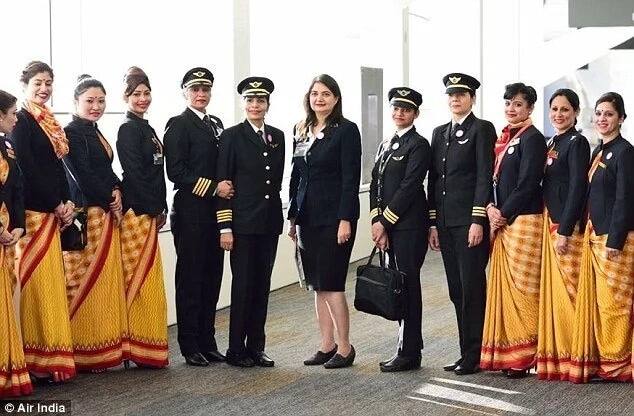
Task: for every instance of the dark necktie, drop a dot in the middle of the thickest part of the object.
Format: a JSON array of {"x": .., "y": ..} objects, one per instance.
[
  {"x": 261, "y": 134},
  {"x": 207, "y": 121},
  {"x": 454, "y": 128}
]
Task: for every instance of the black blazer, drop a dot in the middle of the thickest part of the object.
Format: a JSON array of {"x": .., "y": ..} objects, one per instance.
[
  {"x": 11, "y": 191},
  {"x": 324, "y": 185},
  {"x": 143, "y": 178},
  {"x": 611, "y": 192},
  {"x": 256, "y": 170},
  {"x": 566, "y": 179},
  {"x": 191, "y": 152},
  {"x": 45, "y": 185},
  {"x": 460, "y": 177},
  {"x": 91, "y": 162},
  {"x": 519, "y": 188},
  {"x": 397, "y": 195}
]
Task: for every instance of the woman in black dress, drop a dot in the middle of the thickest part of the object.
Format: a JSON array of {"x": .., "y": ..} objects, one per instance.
[{"x": 323, "y": 212}]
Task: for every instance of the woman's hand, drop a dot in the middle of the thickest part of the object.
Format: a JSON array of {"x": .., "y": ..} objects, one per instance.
[
  {"x": 377, "y": 231},
  {"x": 6, "y": 238},
  {"x": 17, "y": 233},
  {"x": 161, "y": 219},
  {"x": 225, "y": 189},
  {"x": 226, "y": 241},
  {"x": 384, "y": 242},
  {"x": 68, "y": 213},
  {"x": 612, "y": 253},
  {"x": 561, "y": 245},
  {"x": 344, "y": 232},
  {"x": 496, "y": 219},
  {"x": 292, "y": 230},
  {"x": 117, "y": 203}
]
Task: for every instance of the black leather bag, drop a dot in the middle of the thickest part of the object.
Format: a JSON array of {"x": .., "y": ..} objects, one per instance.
[
  {"x": 380, "y": 290},
  {"x": 75, "y": 236}
]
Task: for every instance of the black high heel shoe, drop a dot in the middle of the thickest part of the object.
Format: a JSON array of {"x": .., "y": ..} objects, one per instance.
[
  {"x": 339, "y": 361},
  {"x": 320, "y": 357}
]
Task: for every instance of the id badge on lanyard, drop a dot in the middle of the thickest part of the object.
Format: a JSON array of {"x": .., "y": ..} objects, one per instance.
[{"x": 157, "y": 156}]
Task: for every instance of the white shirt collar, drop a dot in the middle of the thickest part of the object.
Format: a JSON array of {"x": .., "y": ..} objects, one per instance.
[
  {"x": 461, "y": 120},
  {"x": 254, "y": 127},
  {"x": 402, "y": 132},
  {"x": 200, "y": 114}
]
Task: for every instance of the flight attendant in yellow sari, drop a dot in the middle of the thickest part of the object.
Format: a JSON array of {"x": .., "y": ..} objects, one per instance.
[
  {"x": 602, "y": 334},
  {"x": 14, "y": 376},
  {"x": 565, "y": 183},
  {"x": 40, "y": 144},
  {"x": 94, "y": 275},
  {"x": 141, "y": 156},
  {"x": 509, "y": 338}
]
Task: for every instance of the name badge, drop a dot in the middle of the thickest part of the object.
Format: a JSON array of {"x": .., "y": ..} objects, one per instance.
[
  {"x": 157, "y": 158},
  {"x": 301, "y": 149}
]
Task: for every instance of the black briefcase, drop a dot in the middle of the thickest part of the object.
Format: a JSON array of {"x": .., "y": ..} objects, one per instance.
[{"x": 380, "y": 290}]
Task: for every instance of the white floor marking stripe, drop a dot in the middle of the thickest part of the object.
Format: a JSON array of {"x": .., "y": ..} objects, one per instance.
[
  {"x": 471, "y": 398},
  {"x": 477, "y": 386},
  {"x": 452, "y": 405}
]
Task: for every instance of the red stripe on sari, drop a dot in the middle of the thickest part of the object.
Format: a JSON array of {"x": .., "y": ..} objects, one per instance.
[
  {"x": 36, "y": 248},
  {"x": 148, "y": 253}
]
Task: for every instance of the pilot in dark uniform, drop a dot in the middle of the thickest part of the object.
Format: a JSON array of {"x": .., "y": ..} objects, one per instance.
[
  {"x": 459, "y": 188},
  {"x": 399, "y": 216},
  {"x": 251, "y": 156},
  {"x": 191, "y": 150}
]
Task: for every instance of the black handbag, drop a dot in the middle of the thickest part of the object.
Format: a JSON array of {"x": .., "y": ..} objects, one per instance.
[
  {"x": 380, "y": 290},
  {"x": 75, "y": 236}
]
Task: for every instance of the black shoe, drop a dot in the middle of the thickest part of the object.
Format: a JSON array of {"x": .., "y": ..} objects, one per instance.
[
  {"x": 339, "y": 361},
  {"x": 262, "y": 360},
  {"x": 452, "y": 366},
  {"x": 239, "y": 360},
  {"x": 514, "y": 374},
  {"x": 400, "y": 363},
  {"x": 389, "y": 359},
  {"x": 466, "y": 368},
  {"x": 214, "y": 356},
  {"x": 320, "y": 358},
  {"x": 196, "y": 359}
]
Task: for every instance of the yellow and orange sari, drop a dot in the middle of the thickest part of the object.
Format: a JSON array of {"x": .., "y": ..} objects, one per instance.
[
  {"x": 509, "y": 338},
  {"x": 558, "y": 291},
  {"x": 14, "y": 375},
  {"x": 48, "y": 346},
  {"x": 96, "y": 300},
  {"x": 145, "y": 293}
]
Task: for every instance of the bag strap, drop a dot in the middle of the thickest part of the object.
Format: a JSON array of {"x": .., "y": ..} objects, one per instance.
[
  {"x": 70, "y": 173},
  {"x": 372, "y": 255}
]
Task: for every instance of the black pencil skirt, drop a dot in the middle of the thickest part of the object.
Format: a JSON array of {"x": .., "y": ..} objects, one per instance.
[{"x": 325, "y": 262}]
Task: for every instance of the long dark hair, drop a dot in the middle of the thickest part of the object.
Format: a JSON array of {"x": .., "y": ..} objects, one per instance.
[
  {"x": 337, "y": 113},
  {"x": 6, "y": 101}
]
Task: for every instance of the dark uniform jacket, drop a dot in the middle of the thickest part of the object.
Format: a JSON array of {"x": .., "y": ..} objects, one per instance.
[
  {"x": 519, "y": 189},
  {"x": 45, "y": 185},
  {"x": 256, "y": 170},
  {"x": 611, "y": 193},
  {"x": 11, "y": 191},
  {"x": 566, "y": 179},
  {"x": 460, "y": 177},
  {"x": 324, "y": 187},
  {"x": 141, "y": 155},
  {"x": 397, "y": 195},
  {"x": 191, "y": 152},
  {"x": 91, "y": 162}
]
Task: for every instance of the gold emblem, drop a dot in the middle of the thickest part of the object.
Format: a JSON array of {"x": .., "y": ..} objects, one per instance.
[
  {"x": 403, "y": 93},
  {"x": 255, "y": 84},
  {"x": 199, "y": 74},
  {"x": 454, "y": 80}
]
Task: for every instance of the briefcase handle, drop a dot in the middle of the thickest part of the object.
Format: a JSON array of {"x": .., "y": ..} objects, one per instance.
[{"x": 382, "y": 255}]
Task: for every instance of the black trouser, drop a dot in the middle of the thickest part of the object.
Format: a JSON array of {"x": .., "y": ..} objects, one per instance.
[
  {"x": 407, "y": 251},
  {"x": 199, "y": 266},
  {"x": 252, "y": 259},
  {"x": 466, "y": 277}
]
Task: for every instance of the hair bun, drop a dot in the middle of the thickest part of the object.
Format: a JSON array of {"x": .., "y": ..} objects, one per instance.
[
  {"x": 135, "y": 71},
  {"x": 83, "y": 77}
]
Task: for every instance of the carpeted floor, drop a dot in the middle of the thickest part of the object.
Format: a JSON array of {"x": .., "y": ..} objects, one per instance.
[{"x": 290, "y": 388}]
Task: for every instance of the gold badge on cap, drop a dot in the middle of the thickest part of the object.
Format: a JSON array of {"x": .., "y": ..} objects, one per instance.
[
  {"x": 255, "y": 84},
  {"x": 454, "y": 80},
  {"x": 199, "y": 74},
  {"x": 403, "y": 93}
]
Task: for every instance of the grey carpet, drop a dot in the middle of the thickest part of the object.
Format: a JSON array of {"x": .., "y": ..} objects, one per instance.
[{"x": 290, "y": 388}]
